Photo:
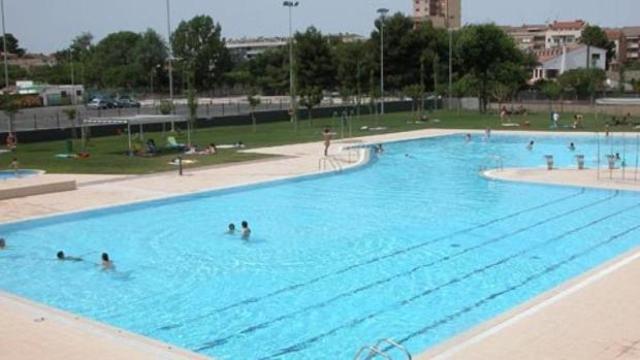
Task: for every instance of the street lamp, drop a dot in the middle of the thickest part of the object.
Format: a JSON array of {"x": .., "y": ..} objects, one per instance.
[
  {"x": 170, "y": 51},
  {"x": 4, "y": 48},
  {"x": 383, "y": 12},
  {"x": 292, "y": 86}
]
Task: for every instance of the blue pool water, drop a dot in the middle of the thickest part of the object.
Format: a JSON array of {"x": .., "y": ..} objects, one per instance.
[
  {"x": 417, "y": 247},
  {"x": 11, "y": 174}
]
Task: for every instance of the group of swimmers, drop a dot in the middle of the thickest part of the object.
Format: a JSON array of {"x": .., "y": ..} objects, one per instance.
[
  {"x": 106, "y": 263},
  {"x": 245, "y": 231}
]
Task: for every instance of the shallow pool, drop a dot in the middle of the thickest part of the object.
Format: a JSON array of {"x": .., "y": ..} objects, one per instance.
[
  {"x": 22, "y": 173},
  {"x": 416, "y": 246}
]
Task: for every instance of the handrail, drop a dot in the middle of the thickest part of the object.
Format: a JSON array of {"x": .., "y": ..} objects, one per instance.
[
  {"x": 394, "y": 344},
  {"x": 372, "y": 351},
  {"x": 323, "y": 161}
]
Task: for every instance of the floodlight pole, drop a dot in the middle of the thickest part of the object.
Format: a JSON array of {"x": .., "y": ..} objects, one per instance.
[
  {"x": 382, "y": 12},
  {"x": 4, "y": 48},
  {"x": 170, "y": 51},
  {"x": 292, "y": 86}
]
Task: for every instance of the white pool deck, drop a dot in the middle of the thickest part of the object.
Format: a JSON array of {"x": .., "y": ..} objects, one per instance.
[{"x": 596, "y": 316}]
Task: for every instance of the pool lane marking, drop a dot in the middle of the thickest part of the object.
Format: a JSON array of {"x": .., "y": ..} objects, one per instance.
[
  {"x": 252, "y": 300},
  {"x": 306, "y": 343},
  {"x": 263, "y": 325},
  {"x": 539, "y": 306}
]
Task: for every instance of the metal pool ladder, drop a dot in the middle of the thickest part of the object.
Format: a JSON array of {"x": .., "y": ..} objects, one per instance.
[
  {"x": 327, "y": 162},
  {"x": 373, "y": 352}
]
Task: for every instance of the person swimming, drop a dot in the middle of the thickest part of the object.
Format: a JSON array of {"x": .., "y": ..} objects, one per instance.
[
  {"x": 61, "y": 256},
  {"x": 231, "y": 229},
  {"x": 107, "y": 264},
  {"x": 3, "y": 243},
  {"x": 379, "y": 149},
  {"x": 572, "y": 147},
  {"x": 467, "y": 137},
  {"x": 530, "y": 146},
  {"x": 246, "y": 232}
]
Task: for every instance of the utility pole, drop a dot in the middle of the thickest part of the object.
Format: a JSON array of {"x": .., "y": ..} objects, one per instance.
[
  {"x": 170, "y": 51},
  {"x": 382, "y": 12},
  {"x": 292, "y": 81},
  {"x": 4, "y": 46}
]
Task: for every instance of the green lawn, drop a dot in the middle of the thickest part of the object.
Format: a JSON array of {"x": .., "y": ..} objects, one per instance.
[{"x": 108, "y": 153}]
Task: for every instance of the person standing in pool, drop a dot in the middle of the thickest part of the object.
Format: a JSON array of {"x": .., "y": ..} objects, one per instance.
[
  {"x": 231, "y": 229},
  {"x": 3, "y": 243},
  {"x": 327, "y": 140},
  {"x": 572, "y": 147},
  {"x": 14, "y": 165},
  {"x": 530, "y": 146},
  {"x": 246, "y": 231},
  {"x": 62, "y": 257},
  {"x": 107, "y": 264}
]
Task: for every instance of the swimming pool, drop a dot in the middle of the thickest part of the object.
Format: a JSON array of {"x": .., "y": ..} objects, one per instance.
[
  {"x": 417, "y": 247},
  {"x": 22, "y": 173}
]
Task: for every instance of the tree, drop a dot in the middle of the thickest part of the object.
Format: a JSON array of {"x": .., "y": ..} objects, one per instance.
[
  {"x": 115, "y": 63},
  {"x": 314, "y": 61},
  {"x": 415, "y": 92},
  {"x": 151, "y": 53},
  {"x": 484, "y": 50},
  {"x": 254, "y": 102},
  {"x": 270, "y": 71},
  {"x": 353, "y": 64},
  {"x": 594, "y": 36},
  {"x": 201, "y": 51},
  {"x": 585, "y": 82},
  {"x": 72, "y": 115},
  {"x": 13, "y": 46},
  {"x": 311, "y": 97},
  {"x": 552, "y": 91},
  {"x": 192, "y": 104},
  {"x": 11, "y": 108}
]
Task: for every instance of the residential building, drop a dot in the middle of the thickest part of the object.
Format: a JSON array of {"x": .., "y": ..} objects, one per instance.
[
  {"x": 562, "y": 33},
  {"x": 249, "y": 48},
  {"x": 556, "y": 61},
  {"x": 441, "y": 13},
  {"x": 619, "y": 48},
  {"x": 528, "y": 37},
  {"x": 632, "y": 39},
  {"x": 29, "y": 61}
]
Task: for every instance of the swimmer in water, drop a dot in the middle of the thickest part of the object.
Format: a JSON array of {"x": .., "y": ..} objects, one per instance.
[
  {"x": 530, "y": 146},
  {"x": 572, "y": 147},
  {"x": 246, "y": 232},
  {"x": 107, "y": 264},
  {"x": 62, "y": 257},
  {"x": 3, "y": 243},
  {"x": 467, "y": 137},
  {"x": 232, "y": 229}
]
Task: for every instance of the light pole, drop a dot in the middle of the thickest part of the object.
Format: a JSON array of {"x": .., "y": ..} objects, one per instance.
[
  {"x": 292, "y": 85},
  {"x": 170, "y": 51},
  {"x": 4, "y": 48},
  {"x": 383, "y": 12},
  {"x": 450, "y": 67}
]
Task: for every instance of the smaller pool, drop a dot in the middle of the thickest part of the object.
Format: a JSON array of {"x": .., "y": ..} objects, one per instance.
[{"x": 22, "y": 173}]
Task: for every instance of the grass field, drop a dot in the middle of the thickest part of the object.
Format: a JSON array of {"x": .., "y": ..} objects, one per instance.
[{"x": 108, "y": 154}]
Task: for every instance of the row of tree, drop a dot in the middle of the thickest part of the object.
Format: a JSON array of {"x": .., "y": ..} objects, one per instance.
[{"x": 485, "y": 62}]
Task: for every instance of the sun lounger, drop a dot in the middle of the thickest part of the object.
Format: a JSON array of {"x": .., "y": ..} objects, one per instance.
[{"x": 173, "y": 144}]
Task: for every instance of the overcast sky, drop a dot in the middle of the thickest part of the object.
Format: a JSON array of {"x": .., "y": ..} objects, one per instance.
[{"x": 49, "y": 25}]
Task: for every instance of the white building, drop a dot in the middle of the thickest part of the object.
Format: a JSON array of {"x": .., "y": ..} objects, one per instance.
[
  {"x": 562, "y": 33},
  {"x": 555, "y": 62}
]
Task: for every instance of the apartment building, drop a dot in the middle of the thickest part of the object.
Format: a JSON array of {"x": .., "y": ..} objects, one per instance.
[
  {"x": 528, "y": 37},
  {"x": 441, "y": 13},
  {"x": 632, "y": 38},
  {"x": 561, "y": 33}
]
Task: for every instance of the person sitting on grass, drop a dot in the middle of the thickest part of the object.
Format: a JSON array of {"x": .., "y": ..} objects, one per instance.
[
  {"x": 11, "y": 142},
  {"x": 62, "y": 257},
  {"x": 211, "y": 149}
]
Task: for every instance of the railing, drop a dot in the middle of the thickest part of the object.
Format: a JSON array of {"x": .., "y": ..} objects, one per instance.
[
  {"x": 326, "y": 162},
  {"x": 375, "y": 351}
]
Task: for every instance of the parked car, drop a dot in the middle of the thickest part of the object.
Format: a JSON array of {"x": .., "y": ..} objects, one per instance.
[
  {"x": 127, "y": 102},
  {"x": 98, "y": 104}
]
